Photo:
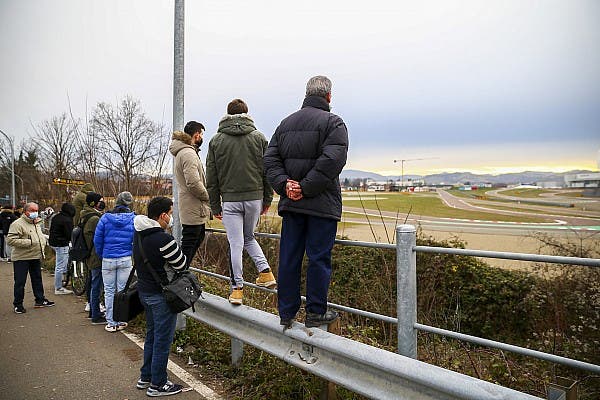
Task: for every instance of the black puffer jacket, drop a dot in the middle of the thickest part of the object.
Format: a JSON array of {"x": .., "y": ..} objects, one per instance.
[
  {"x": 61, "y": 226},
  {"x": 310, "y": 146}
]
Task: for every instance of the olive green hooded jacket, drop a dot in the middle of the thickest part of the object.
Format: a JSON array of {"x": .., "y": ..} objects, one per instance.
[{"x": 234, "y": 164}]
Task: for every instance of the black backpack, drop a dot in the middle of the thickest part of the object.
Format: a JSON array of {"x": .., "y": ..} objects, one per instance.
[{"x": 79, "y": 250}]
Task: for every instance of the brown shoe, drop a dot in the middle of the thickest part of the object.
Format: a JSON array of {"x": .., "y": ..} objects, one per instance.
[
  {"x": 236, "y": 296},
  {"x": 266, "y": 279}
]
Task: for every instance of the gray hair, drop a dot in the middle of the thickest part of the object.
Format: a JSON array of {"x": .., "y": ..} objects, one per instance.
[
  {"x": 28, "y": 206},
  {"x": 318, "y": 86}
]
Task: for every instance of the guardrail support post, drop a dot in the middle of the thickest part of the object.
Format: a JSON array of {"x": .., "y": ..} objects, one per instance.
[
  {"x": 406, "y": 290},
  {"x": 237, "y": 352}
]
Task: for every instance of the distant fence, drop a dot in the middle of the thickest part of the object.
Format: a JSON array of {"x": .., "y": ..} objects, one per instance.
[{"x": 446, "y": 386}]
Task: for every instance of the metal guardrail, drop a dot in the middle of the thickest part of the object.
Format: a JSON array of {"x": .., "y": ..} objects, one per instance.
[
  {"x": 407, "y": 325},
  {"x": 364, "y": 369}
]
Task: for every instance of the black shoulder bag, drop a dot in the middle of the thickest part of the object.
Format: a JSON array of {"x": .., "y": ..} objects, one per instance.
[
  {"x": 183, "y": 290},
  {"x": 126, "y": 303}
]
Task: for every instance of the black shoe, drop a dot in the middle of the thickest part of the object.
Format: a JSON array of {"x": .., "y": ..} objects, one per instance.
[
  {"x": 167, "y": 389},
  {"x": 287, "y": 323},
  {"x": 20, "y": 309},
  {"x": 314, "y": 320},
  {"x": 44, "y": 303},
  {"x": 99, "y": 321}
]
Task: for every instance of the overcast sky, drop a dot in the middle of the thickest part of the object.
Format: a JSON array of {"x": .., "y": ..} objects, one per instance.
[{"x": 486, "y": 86}]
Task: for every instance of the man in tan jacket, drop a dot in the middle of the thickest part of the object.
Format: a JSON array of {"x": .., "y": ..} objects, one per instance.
[
  {"x": 28, "y": 243},
  {"x": 193, "y": 202}
]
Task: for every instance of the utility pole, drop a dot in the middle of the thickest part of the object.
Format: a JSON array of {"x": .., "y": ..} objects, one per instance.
[
  {"x": 178, "y": 99},
  {"x": 402, "y": 160},
  {"x": 12, "y": 166}
]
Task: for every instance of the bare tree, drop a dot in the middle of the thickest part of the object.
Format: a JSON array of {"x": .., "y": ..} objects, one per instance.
[
  {"x": 129, "y": 139},
  {"x": 56, "y": 142}
]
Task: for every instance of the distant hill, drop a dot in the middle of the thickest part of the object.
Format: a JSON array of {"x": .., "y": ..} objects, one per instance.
[{"x": 462, "y": 177}]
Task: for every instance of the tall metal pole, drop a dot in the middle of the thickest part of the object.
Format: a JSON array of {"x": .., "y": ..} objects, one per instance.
[
  {"x": 178, "y": 118},
  {"x": 406, "y": 290},
  {"x": 178, "y": 99},
  {"x": 12, "y": 167}
]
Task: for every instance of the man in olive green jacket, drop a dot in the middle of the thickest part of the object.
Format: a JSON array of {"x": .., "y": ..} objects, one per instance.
[
  {"x": 235, "y": 177},
  {"x": 28, "y": 244},
  {"x": 194, "y": 210},
  {"x": 79, "y": 201},
  {"x": 91, "y": 213}
]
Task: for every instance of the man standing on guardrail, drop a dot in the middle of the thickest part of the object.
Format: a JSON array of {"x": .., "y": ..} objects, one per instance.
[
  {"x": 193, "y": 202},
  {"x": 28, "y": 243},
  {"x": 235, "y": 176},
  {"x": 303, "y": 162}
]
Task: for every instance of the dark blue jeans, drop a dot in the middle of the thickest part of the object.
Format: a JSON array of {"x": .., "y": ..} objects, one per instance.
[
  {"x": 315, "y": 235},
  {"x": 21, "y": 268},
  {"x": 160, "y": 329},
  {"x": 95, "y": 290}
]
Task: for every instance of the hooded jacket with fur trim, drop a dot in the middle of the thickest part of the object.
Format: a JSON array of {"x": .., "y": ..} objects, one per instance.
[{"x": 193, "y": 200}]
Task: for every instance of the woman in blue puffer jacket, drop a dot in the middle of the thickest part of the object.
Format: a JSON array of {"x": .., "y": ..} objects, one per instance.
[{"x": 113, "y": 241}]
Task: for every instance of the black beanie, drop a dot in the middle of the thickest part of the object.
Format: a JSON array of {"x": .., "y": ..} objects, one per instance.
[{"x": 92, "y": 199}]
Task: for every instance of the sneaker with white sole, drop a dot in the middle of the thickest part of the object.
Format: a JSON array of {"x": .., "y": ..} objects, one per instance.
[
  {"x": 102, "y": 308},
  {"x": 142, "y": 384},
  {"x": 167, "y": 389},
  {"x": 87, "y": 307},
  {"x": 62, "y": 290},
  {"x": 110, "y": 328},
  {"x": 236, "y": 297}
]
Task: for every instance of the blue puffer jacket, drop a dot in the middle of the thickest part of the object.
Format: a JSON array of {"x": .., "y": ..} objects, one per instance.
[{"x": 114, "y": 235}]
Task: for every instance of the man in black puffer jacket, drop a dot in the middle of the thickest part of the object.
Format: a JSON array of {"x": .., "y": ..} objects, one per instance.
[
  {"x": 303, "y": 162},
  {"x": 61, "y": 227}
]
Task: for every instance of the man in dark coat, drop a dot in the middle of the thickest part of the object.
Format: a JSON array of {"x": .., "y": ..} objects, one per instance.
[
  {"x": 61, "y": 228},
  {"x": 303, "y": 162}
]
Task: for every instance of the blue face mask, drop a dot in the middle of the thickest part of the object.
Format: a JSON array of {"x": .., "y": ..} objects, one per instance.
[{"x": 33, "y": 215}]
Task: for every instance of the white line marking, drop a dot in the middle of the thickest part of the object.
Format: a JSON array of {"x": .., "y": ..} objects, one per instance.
[{"x": 181, "y": 373}]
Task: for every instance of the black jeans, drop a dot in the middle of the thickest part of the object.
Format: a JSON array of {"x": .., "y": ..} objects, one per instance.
[
  {"x": 191, "y": 238},
  {"x": 21, "y": 268}
]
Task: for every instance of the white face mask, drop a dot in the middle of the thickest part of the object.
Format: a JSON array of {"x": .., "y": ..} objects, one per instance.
[{"x": 170, "y": 223}]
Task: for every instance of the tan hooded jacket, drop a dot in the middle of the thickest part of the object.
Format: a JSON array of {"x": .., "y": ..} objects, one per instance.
[
  {"x": 26, "y": 238},
  {"x": 194, "y": 208}
]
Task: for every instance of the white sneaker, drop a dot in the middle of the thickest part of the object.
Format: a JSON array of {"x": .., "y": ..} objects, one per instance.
[
  {"x": 62, "y": 290},
  {"x": 102, "y": 308},
  {"x": 87, "y": 307}
]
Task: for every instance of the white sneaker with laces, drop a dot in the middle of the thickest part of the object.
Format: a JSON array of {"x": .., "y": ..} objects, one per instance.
[{"x": 62, "y": 290}]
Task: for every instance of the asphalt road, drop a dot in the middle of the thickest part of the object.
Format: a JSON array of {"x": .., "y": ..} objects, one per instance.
[{"x": 55, "y": 352}]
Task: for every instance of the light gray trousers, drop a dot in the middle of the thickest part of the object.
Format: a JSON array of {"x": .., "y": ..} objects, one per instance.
[{"x": 240, "y": 218}]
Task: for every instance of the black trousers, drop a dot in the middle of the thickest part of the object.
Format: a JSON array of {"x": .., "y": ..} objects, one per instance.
[
  {"x": 191, "y": 238},
  {"x": 21, "y": 268}
]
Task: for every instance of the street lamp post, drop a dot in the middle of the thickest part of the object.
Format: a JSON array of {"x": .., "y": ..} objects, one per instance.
[{"x": 12, "y": 166}]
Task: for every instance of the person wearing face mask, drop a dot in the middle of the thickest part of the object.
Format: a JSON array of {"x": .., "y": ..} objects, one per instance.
[
  {"x": 164, "y": 257},
  {"x": 113, "y": 242},
  {"x": 28, "y": 243},
  {"x": 91, "y": 213},
  {"x": 193, "y": 199}
]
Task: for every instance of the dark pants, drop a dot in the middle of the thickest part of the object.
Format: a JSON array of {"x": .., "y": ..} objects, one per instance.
[
  {"x": 95, "y": 291},
  {"x": 191, "y": 237},
  {"x": 2, "y": 238},
  {"x": 300, "y": 232},
  {"x": 21, "y": 268},
  {"x": 160, "y": 329}
]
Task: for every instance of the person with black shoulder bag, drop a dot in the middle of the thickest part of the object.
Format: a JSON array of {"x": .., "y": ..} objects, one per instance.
[{"x": 155, "y": 252}]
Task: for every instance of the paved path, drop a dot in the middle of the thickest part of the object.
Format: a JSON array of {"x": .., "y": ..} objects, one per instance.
[{"x": 55, "y": 353}]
